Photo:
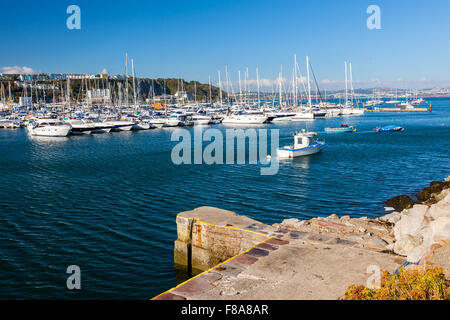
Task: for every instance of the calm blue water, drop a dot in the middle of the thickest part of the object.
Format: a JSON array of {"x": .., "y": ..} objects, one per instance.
[{"x": 107, "y": 203}]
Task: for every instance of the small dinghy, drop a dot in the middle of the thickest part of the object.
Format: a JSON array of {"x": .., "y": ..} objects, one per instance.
[
  {"x": 392, "y": 128},
  {"x": 304, "y": 144},
  {"x": 343, "y": 128}
]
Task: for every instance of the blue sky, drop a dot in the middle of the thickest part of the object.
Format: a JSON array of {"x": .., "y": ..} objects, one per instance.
[{"x": 194, "y": 39}]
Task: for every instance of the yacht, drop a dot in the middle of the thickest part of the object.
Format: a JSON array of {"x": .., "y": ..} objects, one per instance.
[
  {"x": 79, "y": 126},
  {"x": 49, "y": 128},
  {"x": 118, "y": 125},
  {"x": 282, "y": 116},
  {"x": 142, "y": 125},
  {"x": 241, "y": 117},
  {"x": 157, "y": 122},
  {"x": 172, "y": 121},
  {"x": 10, "y": 124},
  {"x": 299, "y": 116},
  {"x": 200, "y": 119},
  {"x": 350, "y": 111}
]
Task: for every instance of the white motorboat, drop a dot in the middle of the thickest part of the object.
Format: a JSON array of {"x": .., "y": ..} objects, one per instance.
[
  {"x": 79, "y": 126},
  {"x": 245, "y": 118},
  {"x": 49, "y": 128},
  {"x": 304, "y": 144},
  {"x": 118, "y": 125},
  {"x": 172, "y": 121},
  {"x": 282, "y": 116},
  {"x": 200, "y": 119},
  {"x": 10, "y": 124},
  {"x": 157, "y": 122},
  {"x": 299, "y": 116},
  {"x": 142, "y": 125},
  {"x": 352, "y": 111}
]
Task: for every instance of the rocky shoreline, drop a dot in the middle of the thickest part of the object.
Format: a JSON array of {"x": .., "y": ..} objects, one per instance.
[
  {"x": 312, "y": 259},
  {"x": 422, "y": 229},
  {"x": 418, "y": 230}
]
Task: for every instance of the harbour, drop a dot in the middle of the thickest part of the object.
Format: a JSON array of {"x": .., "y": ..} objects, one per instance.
[
  {"x": 109, "y": 201},
  {"x": 239, "y": 152}
]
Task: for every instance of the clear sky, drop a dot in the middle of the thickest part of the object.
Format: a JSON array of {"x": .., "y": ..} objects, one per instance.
[{"x": 193, "y": 39}]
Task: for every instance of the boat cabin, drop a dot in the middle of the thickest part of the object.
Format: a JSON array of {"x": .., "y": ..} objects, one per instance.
[{"x": 303, "y": 140}]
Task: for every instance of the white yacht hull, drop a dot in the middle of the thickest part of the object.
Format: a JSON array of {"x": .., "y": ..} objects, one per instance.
[
  {"x": 50, "y": 131},
  {"x": 142, "y": 126},
  {"x": 201, "y": 122},
  {"x": 299, "y": 116},
  {"x": 290, "y": 152},
  {"x": 244, "y": 120},
  {"x": 352, "y": 112},
  {"x": 172, "y": 123},
  {"x": 125, "y": 128}
]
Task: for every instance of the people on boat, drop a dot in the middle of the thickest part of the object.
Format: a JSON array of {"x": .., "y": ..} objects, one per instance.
[{"x": 344, "y": 125}]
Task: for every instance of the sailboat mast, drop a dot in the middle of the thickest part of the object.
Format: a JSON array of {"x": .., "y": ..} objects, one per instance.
[
  {"x": 309, "y": 84},
  {"x": 240, "y": 88},
  {"x": 351, "y": 84},
  {"x": 220, "y": 88},
  {"x": 295, "y": 81},
  {"x": 210, "y": 93},
  {"x": 126, "y": 80},
  {"x": 346, "y": 85},
  {"x": 134, "y": 83},
  {"x": 257, "y": 83},
  {"x": 280, "y": 84}
]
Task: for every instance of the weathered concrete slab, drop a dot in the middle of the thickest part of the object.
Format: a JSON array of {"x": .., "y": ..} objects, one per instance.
[{"x": 301, "y": 271}]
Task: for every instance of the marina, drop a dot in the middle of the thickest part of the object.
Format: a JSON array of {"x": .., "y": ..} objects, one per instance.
[
  {"x": 233, "y": 151},
  {"x": 109, "y": 201}
]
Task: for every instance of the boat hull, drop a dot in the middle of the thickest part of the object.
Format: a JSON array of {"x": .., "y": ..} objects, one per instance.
[
  {"x": 50, "y": 131},
  {"x": 290, "y": 152},
  {"x": 350, "y": 129},
  {"x": 244, "y": 120},
  {"x": 397, "y": 129}
]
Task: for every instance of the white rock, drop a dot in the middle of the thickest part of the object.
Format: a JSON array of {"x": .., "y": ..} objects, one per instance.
[
  {"x": 440, "y": 209},
  {"x": 406, "y": 244},
  {"x": 300, "y": 224},
  {"x": 436, "y": 230},
  {"x": 440, "y": 229},
  {"x": 393, "y": 217},
  {"x": 408, "y": 231},
  {"x": 441, "y": 196},
  {"x": 289, "y": 222},
  {"x": 411, "y": 223}
]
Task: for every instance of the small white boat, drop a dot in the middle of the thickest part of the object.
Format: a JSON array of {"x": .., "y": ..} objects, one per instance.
[
  {"x": 304, "y": 144},
  {"x": 142, "y": 125},
  {"x": 49, "y": 128}
]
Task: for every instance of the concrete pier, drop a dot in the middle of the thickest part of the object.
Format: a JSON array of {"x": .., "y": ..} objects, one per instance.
[{"x": 245, "y": 259}]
